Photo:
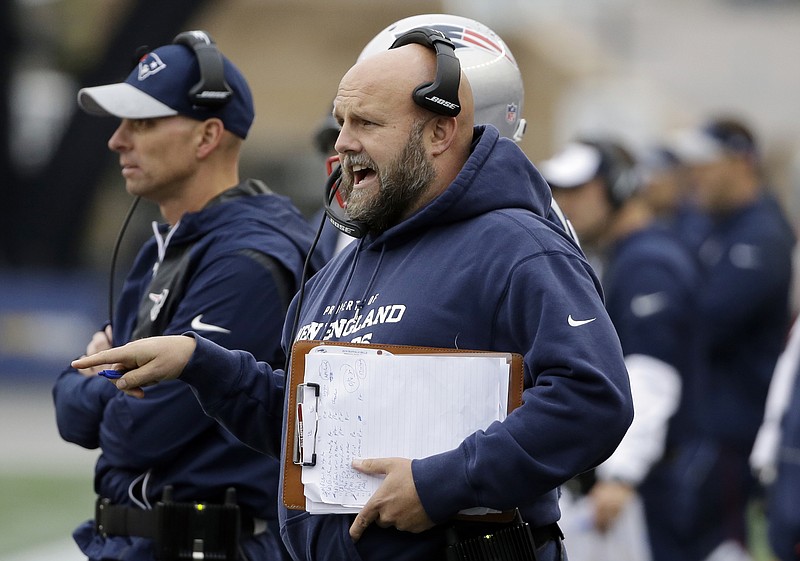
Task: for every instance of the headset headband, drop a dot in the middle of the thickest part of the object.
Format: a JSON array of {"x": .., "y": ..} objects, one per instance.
[
  {"x": 441, "y": 95},
  {"x": 211, "y": 90}
]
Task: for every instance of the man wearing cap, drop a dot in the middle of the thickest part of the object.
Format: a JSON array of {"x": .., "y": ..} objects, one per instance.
[
  {"x": 224, "y": 264},
  {"x": 745, "y": 312},
  {"x": 650, "y": 281}
]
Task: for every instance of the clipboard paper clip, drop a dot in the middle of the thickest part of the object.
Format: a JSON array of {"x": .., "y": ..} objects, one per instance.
[{"x": 301, "y": 456}]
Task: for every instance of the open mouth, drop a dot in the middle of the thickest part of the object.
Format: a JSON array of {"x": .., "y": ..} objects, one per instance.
[{"x": 361, "y": 174}]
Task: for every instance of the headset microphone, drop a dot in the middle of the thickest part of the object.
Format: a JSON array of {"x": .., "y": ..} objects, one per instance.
[{"x": 334, "y": 204}]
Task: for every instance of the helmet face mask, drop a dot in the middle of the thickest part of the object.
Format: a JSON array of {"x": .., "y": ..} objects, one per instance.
[{"x": 485, "y": 59}]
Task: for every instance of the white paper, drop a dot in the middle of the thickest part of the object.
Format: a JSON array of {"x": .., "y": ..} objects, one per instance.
[{"x": 374, "y": 405}]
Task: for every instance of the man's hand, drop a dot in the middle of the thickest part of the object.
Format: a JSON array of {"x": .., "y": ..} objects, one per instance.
[
  {"x": 101, "y": 341},
  {"x": 609, "y": 498},
  {"x": 145, "y": 362},
  {"x": 395, "y": 503}
]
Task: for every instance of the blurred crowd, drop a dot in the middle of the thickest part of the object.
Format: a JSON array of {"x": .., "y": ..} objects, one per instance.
[{"x": 695, "y": 255}]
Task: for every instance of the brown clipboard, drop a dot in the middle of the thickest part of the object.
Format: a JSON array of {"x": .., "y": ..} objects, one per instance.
[{"x": 293, "y": 495}]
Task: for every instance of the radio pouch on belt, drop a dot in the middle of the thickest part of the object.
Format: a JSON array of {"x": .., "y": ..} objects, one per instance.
[
  {"x": 197, "y": 530},
  {"x": 491, "y": 541},
  {"x": 512, "y": 542}
]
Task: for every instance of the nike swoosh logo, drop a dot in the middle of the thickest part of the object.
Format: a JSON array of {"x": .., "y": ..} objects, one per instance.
[
  {"x": 198, "y": 325},
  {"x": 578, "y": 322}
]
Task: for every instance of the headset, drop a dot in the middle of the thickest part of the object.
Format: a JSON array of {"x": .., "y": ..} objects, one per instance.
[
  {"x": 211, "y": 90},
  {"x": 439, "y": 96},
  {"x": 618, "y": 170}
]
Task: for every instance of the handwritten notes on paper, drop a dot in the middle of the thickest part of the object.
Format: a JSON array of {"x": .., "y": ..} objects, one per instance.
[{"x": 373, "y": 404}]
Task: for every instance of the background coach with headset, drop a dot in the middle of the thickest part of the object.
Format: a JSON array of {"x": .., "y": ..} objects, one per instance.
[{"x": 225, "y": 264}]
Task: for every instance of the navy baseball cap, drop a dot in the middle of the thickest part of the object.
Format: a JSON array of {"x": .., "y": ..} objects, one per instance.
[
  {"x": 712, "y": 141},
  {"x": 159, "y": 87}
]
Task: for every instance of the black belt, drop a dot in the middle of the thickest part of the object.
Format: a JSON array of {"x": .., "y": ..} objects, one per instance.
[{"x": 122, "y": 520}]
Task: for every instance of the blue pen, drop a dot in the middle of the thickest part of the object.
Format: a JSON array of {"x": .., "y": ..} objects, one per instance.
[{"x": 111, "y": 374}]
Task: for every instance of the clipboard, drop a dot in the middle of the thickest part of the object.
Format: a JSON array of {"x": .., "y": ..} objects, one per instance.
[{"x": 293, "y": 494}]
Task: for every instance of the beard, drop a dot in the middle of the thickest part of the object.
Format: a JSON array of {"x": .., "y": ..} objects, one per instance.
[{"x": 401, "y": 184}]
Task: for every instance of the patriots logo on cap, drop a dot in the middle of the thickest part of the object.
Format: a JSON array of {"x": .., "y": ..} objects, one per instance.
[
  {"x": 150, "y": 64},
  {"x": 511, "y": 112}
]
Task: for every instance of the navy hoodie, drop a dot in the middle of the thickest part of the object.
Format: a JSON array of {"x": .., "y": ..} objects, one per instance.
[
  {"x": 477, "y": 268},
  {"x": 166, "y": 439}
]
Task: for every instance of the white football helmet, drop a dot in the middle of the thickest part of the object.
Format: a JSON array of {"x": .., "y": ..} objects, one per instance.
[{"x": 486, "y": 60}]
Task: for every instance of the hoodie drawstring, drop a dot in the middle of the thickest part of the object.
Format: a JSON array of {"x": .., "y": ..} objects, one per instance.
[{"x": 162, "y": 242}]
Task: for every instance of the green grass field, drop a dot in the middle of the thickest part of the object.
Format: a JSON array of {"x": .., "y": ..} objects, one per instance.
[{"x": 38, "y": 509}]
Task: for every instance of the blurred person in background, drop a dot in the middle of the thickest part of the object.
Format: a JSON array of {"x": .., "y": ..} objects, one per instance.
[
  {"x": 651, "y": 282},
  {"x": 225, "y": 263},
  {"x": 746, "y": 258},
  {"x": 665, "y": 186},
  {"x": 776, "y": 452}
]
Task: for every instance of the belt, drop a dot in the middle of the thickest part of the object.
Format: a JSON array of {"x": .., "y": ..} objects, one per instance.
[{"x": 122, "y": 520}]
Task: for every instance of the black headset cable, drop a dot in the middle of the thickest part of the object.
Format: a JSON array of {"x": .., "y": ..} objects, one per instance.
[
  {"x": 114, "y": 256},
  {"x": 301, "y": 291}
]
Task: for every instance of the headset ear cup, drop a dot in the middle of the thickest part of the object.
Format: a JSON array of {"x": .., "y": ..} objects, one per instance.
[
  {"x": 441, "y": 95},
  {"x": 618, "y": 169},
  {"x": 211, "y": 90},
  {"x": 625, "y": 186}
]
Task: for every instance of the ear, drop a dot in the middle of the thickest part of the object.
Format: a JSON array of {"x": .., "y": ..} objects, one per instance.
[
  {"x": 442, "y": 134},
  {"x": 210, "y": 135}
]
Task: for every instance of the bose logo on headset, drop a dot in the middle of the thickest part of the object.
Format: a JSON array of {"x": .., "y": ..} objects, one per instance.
[{"x": 441, "y": 101}]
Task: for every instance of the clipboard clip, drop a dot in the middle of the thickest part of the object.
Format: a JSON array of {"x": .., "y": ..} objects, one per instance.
[{"x": 301, "y": 456}]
